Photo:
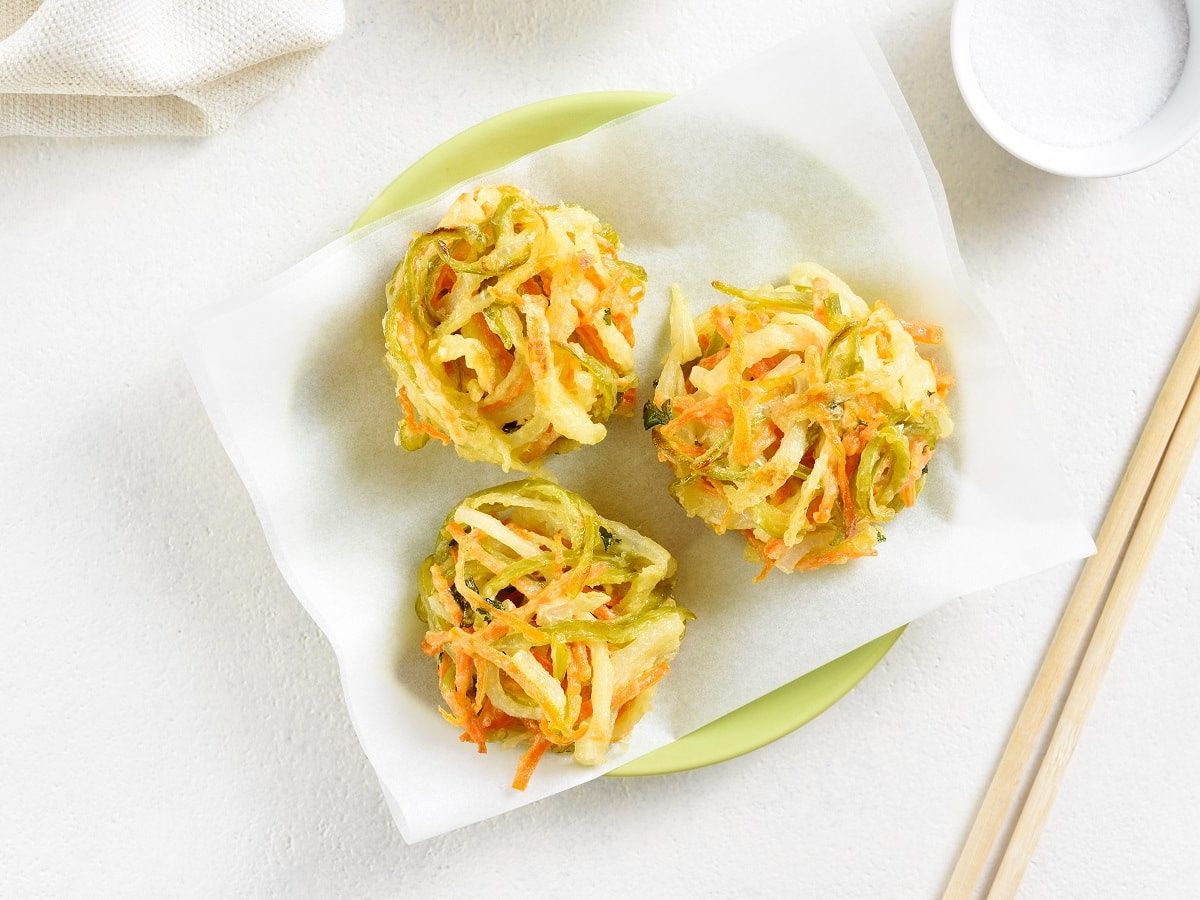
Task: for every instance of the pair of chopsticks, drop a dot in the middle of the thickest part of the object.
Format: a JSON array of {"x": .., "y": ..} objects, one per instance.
[{"x": 1125, "y": 544}]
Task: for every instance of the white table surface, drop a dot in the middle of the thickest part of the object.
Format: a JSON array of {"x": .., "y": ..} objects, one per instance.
[{"x": 171, "y": 722}]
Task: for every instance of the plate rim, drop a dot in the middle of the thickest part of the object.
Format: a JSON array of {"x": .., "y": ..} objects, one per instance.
[{"x": 558, "y": 119}]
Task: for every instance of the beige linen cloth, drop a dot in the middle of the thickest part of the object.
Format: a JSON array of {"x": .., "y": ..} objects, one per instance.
[{"x": 128, "y": 67}]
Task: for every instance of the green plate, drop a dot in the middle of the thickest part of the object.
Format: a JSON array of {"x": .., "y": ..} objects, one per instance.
[{"x": 499, "y": 141}]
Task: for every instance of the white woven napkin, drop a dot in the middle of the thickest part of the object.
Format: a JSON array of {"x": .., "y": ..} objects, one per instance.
[{"x": 127, "y": 67}]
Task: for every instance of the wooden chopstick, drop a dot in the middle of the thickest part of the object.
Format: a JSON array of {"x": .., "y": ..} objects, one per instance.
[
  {"x": 1100, "y": 650},
  {"x": 1081, "y": 610}
]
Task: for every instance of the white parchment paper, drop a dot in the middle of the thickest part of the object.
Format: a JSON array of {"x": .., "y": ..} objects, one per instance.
[{"x": 807, "y": 154}]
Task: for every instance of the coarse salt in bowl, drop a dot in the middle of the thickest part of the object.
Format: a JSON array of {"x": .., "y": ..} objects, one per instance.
[{"x": 1080, "y": 89}]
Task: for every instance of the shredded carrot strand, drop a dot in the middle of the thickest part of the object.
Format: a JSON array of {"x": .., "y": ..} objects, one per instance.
[
  {"x": 529, "y": 762},
  {"x": 923, "y": 332},
  {"x": 416, "y": 425},
  {"x": 642, "y": 683}
]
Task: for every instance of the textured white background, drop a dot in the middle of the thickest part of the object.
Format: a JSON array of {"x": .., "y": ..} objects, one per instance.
[{"x": 170, "y": 721}]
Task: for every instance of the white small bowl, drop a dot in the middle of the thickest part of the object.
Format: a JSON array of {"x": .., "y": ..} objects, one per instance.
[{"x": 1168, "y": 130}]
